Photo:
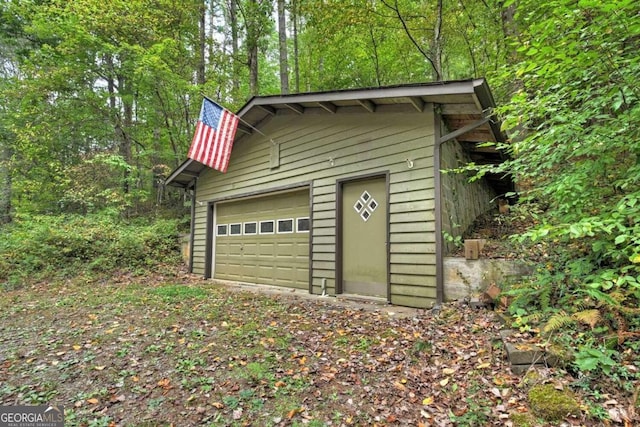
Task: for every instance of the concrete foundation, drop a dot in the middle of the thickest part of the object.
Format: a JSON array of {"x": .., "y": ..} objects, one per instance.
[{"x": 469, "y": 278}]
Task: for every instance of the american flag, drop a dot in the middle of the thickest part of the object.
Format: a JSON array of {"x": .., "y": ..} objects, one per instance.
[{"x": 213, "y": 139}]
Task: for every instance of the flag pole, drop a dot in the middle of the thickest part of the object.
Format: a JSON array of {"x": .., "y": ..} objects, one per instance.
[{"x": 240, "y": 118}]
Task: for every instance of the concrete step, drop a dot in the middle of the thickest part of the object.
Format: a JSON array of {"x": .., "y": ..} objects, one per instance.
[{"x": 524, "y": 355}]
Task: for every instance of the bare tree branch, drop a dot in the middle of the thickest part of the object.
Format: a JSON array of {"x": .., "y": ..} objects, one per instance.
[{"x": 396, "y": 10}]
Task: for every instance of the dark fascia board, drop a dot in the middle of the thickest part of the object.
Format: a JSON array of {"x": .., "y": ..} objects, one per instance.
[
  {"x": 484, "y": 96},
  {"x": 183, "y": 170},
  {"x": 456, "y": 87},
  {"x": 177, "y": 171}
]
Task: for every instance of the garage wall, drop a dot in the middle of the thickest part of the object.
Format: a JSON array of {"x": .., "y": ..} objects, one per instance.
[
  {"x": 321, "y": 148},
  {"x": 462, "y": 201}
]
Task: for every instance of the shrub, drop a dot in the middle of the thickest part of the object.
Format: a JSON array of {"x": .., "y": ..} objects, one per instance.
[{"x": 41, "y": 247}]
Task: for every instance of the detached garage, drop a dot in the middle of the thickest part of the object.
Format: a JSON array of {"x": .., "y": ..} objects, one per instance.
[{"x": 342, "y": 192}]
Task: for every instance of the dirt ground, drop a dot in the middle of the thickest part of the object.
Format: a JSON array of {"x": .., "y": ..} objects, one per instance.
[{"x": 176, "y": 350}]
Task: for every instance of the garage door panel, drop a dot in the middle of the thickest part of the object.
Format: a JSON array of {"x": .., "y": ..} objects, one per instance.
[
  {"x": 250, "y": 249},
  {"x": 234, "y": 259},
  {"x": 302, "y": 275},
  {"x": 284, "y": 273},
  {"x": 265, "y": 256},
  {"x": 285, "y": 247},
  {"x": 266, "y": 271},
  {"x": 267, "y": 249},
  {"x": 249, "y": 270},
  {"x": 270, "y": 256},
  {"x": 233, "y": 268}
]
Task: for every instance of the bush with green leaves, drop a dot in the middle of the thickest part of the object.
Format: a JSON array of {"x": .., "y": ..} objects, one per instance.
[
  {"x": 41, "y": 247},
  {"x": 574, "y": 126}
]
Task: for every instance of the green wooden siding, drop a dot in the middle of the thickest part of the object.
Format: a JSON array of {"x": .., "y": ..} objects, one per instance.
[{"x": 323, "y": 148}]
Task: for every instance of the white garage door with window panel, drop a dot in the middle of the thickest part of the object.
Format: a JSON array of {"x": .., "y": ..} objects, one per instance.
[{"x": 264, "y": 240}]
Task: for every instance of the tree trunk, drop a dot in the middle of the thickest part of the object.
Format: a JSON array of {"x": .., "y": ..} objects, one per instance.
[
  {"x": 375, "y": 57},
  {"x": 212, "y": 30},
  {"x": 282, "y": 39},
  {"x": 296, "y": 59},
  {"x": 202, "y": 47},
  {"x": 233, "y": 16},
  {"x": 5, "y": 185},
  {"x": 253, "y": 70},
  {"x": 124, "y": 146},
  {"x": 122, "y": 123},
  {"x": 510, "y": 27},
  {"x": 252, "y": 46},
  {"x": 437, "y": 44}
]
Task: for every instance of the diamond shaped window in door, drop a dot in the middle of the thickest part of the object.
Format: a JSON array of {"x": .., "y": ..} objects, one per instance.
[{"x": 365, "y": 205}]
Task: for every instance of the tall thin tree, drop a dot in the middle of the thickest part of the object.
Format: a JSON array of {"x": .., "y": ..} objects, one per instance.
[
  {"x": 202, "y": 43},
  {"x": 296, "y": 56},
  {"x": 282, "y": 42}
]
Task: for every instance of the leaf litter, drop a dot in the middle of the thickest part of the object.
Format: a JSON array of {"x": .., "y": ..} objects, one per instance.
[{"x": 184, "y": 351}]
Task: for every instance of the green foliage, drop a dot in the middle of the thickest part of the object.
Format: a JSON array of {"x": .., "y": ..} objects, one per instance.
[
  {"x": 457, "y": 241},
  {"x": 558, "y": 321},
  {"x": 90, "y": 82},
  {"x": 574, "y": 123},
  {"x": 366, "y": 44},
  {"x": 477, "y": 413},
  {"x": 97, "y": 184},
  {"x": 595, "y": 359},
  {"x": 36, "y": 247}
]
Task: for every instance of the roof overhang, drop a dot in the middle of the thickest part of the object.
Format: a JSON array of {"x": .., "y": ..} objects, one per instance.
[
  {"x": 184, "y": 176},
  {"x": 466, "y": 107}
]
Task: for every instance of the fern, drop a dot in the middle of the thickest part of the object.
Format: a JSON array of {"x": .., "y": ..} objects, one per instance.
[
  {"x": 545, "y": 296},
  {"x": 557, "y": 321},
  {"x": 535, "y": 317},
  {"x": 588, "y": 317},
  {"x": 526, "y": 322},
  {"x": 599, "y": 296},
  {"x": 528, "y": 295}
]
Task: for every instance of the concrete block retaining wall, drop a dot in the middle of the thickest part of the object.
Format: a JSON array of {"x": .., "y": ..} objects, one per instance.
[{"x": 468, "y": 278}]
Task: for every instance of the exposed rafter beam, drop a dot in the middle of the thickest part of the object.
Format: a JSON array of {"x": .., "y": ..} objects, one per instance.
[
  {"x": 329, "y": 106},
  {"x": 268, "y": 109},
  {"x": 417, "y": 103},
  {"x": 245, "y": 129},
  {"x": 368, "y": 105},
  {"x": 296, "y": 107},
  {"x": 459, "y": 132}
]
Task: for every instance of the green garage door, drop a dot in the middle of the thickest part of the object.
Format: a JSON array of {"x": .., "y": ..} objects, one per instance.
[{"x": 264, "y": 240}]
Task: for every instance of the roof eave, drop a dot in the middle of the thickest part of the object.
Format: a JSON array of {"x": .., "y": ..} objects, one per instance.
[
  {"x": 459, "y": 87},
  {"x": 183, "y": 171},
  {"x": 484, "y": 96}
]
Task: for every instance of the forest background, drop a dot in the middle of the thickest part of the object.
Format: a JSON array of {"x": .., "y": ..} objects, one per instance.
[{"x": 98, "y": 102}]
